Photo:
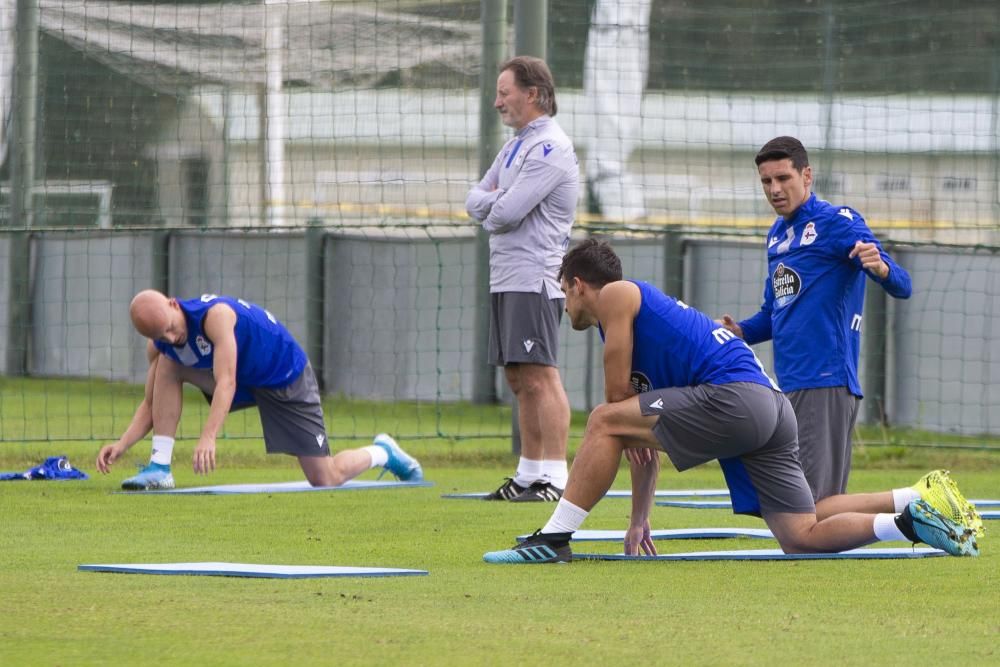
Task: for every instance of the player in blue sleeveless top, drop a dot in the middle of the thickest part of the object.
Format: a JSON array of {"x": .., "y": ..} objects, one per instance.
[
  {"x": 239, "y": 355},
  {"x": 677, "y": 381},
  {"x": 819, "y": 256}
]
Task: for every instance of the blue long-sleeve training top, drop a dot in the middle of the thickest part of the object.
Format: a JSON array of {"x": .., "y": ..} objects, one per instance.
[{"x": 814, "y": 296}]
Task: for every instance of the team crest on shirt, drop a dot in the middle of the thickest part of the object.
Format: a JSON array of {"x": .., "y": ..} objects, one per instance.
[
  {"x": 640, "y": 383},
  {"x": 786, "y": 284},
  {"x": 809, "y": 234},
  {"x": 204, "y": 347}
]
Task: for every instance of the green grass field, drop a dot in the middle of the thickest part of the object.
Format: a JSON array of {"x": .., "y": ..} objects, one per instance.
[{"x": 905, "y": 612}]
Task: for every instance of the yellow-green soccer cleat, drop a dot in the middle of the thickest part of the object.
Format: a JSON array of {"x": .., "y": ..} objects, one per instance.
[{"x": 939, "y": 490}]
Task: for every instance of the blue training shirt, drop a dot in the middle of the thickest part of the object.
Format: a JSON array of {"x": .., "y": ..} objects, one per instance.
[
  {"x": 814, "y": 296},
  {"x": 674, "y": 345},
  {"x": 267, "y": 356}
]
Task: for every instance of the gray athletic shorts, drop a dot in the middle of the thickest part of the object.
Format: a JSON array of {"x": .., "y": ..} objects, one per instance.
[
  {"x": 749, "y": 428},
  {"x": 826, "y": 417},
  {"x": 524, "y": 328},
  {"x": 291, "y": 416}
]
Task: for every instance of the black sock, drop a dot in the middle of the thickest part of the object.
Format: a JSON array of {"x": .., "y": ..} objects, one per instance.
[
  {"x": 557, "y": 539},
  {"x": 904, "y": 521}
]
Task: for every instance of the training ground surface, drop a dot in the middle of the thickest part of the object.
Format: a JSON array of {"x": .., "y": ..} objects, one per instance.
[{"x": 904, "y": 612}]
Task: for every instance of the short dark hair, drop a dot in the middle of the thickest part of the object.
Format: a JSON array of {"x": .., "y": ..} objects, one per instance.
[
  {"x": 783, "y": 148},
  {"x": 592, "y": 261},
  {"x": 531, "y": 72}
]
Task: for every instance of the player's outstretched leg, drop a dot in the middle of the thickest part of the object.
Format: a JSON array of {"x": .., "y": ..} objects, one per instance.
[
  {"x": 539, "y": 548},
  {"x": 399, "y": 463},
  {"x": 939, "y": 490},
  {"x": 922, "y": 523},
  {"x": 152, "y": 476}
]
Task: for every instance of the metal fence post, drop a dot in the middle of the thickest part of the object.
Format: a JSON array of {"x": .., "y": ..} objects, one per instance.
[
  {"x": 873, "y": 349},
  {"x": 315, "y": 294}
]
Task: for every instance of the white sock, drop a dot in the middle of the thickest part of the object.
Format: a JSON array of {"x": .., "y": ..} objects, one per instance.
[
  {"x": 528, "y": 472},
  {"x": 379, "y": 456},
  {"x": 886, "y": 529},
  {"x": 566, "y": 519},
  {"x": 902, "y": 497},
  {"x": 556, "y": 472},
  {"x": 163, "y": 450}
]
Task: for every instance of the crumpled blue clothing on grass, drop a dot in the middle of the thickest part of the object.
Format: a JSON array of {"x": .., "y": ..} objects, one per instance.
[{"x": 54, "y": 467}]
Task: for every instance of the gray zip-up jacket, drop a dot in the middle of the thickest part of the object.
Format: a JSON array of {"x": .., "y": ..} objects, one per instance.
[{"x": 527, "y": 202}]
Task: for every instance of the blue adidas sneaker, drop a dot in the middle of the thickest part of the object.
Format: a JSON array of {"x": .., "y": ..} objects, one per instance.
[
  {"x": 153, "y": 476},
  {"x": 402, "y": 465},
  {"x": 538, "y": 548},
  {"x": 934, "y": 529}
]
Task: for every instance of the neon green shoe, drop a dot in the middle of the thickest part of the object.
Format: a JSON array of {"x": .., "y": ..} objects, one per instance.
[{"x": 939, "y": 490}]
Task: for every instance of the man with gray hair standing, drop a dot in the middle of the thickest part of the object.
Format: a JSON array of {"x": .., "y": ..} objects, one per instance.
[{"x": 527, "y": 202}]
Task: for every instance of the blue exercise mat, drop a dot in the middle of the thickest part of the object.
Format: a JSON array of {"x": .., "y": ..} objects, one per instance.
[
  {"x": 281, "y": 487},
  {"x": 983, "y": 503},
  {"x": 668, "y": 534},
  {"x": 620, "y": 493},
  {"x": 990, "y": 515},
  {"x": 774, "y": 554},
  {"x": 252, "y": 570},
  {"x": 697, "y": 504},
  {"x": 725, "y": 504}
]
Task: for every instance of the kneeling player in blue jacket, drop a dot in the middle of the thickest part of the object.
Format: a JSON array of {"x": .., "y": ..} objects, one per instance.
[
  {"x": 238, "y": 354},
  {"x": 677, "y": 381}
]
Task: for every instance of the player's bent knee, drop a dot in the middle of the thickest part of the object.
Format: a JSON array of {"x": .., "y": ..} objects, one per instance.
[
  {"x": 321, "y": 471},
  {"x": 599, "y": 418},
  {"x": 792, "y": 531}
]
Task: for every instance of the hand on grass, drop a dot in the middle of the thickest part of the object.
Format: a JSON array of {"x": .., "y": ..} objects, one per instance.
[
  {"x": 204, "y": 456},
  {"x": 108, "y": 455},
  {"x": 637, "y": 537}
]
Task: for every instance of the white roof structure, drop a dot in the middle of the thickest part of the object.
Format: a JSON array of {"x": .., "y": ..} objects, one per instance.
[{"x": 327, "y": 44}]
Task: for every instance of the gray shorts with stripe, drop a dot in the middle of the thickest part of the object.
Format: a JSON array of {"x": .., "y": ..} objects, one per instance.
[
  {"x": 291, "y": 416},
  {"x": 524, "y": 328},
  {"x": 750, "y": 428}
]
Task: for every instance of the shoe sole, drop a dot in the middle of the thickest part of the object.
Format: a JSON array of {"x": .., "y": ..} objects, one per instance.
[
  {"x": 156, "y": 486},
  {"x": 956, "y": 544}
]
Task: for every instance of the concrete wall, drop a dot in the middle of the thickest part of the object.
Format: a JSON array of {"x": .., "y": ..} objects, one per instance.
[
  {"x": 4, "y": 300},
  {"x": 267, "y": 269},
  {"x": 947, "y": 365},
  {"x": 82, "y": 286},
  {"x": 399, "y": 315},
  {"x": 399, "y": 309}
]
